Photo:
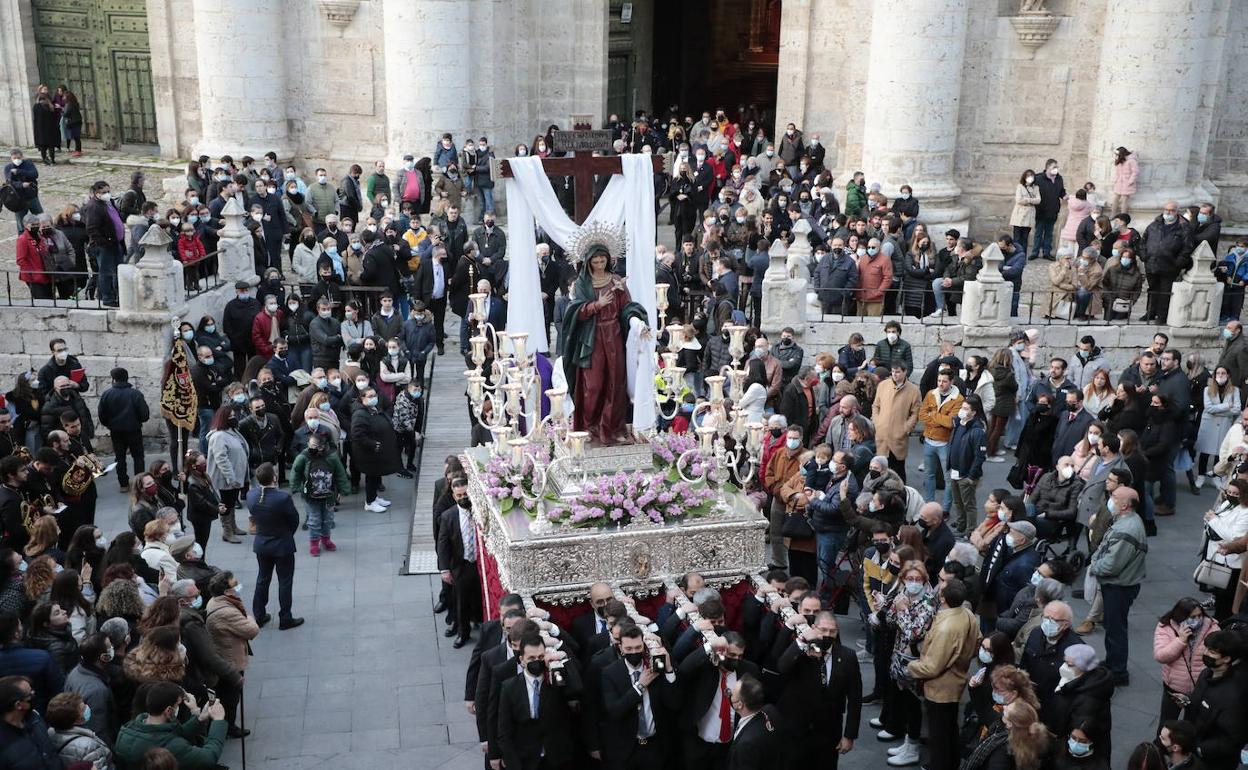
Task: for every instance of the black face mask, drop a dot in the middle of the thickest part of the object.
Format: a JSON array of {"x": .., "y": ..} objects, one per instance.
[
  {"x": 633, "y": 658},
  {"x": 720, "y": 628},
  {"x": 873, "y": 474},
  {"x": 729, "y": 664},
  {"x": 535, "y": 667},
  {"x": 310, "y": 241},
  {"x": 1210, "y": 661},
  {"x": 823, "y": 643},
  {"x": 464, "y": 503},
  {"x": 810, "y": 619},
  {"x": 776, "y": 432},
  {"x": 883, "y": 548},
  {"x": 601, "y": 611},
  {"x": 894, "y": 568},
  {"x": 1042, "y": 408}
]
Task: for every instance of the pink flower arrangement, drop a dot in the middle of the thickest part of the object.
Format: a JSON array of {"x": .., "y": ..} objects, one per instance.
[
  {"x": 510, "y": 488},
  {"x": 668, "y": 447},
  {"x": 627, "y": 498}
]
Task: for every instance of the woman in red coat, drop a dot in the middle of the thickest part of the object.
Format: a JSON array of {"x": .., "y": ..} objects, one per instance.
[{"x": 32, "y": 260}]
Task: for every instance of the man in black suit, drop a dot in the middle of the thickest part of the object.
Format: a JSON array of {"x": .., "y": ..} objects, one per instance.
[
  {"x": 706, "y": 676},
  {"x": 587, "y": 625},
  {"x": 756, "y": 744},
  {"x": 277, "y": 521},
  {"x": 711, "y": 619},
  {"x": 754, "y": 608},
  {"x": 615, "y": 610},
  {"x": 457, "y": 561},
  {"x": 534, "y": 710},
  {"x": 493, "y": 635},
  {"x": 591, "y": 704},
  {"x": 498, "y": 665},
  {"x": 822, "y": 701},
  {"x": 637, "y": 703}
]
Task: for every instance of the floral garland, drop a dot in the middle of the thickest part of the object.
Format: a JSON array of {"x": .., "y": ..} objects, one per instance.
[
  {"x": 668, "y": 448},
  {"x": 633, "y": 498},
  {"x": 501, "y": 480}
]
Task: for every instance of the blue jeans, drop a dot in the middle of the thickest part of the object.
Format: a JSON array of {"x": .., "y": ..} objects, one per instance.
[
  {"x": 1083, "y": 298},
  {"x": 1044, "y": 238},
  {"x": 107, "y": 260},
  {"x": 1118, "y": 600},
  {"x": 486, "y": 196},
  {"x": 827, "y": 546},
  {"x": 939, "y": 291},
  {"x": 205, "y": 418},
  {"x": 320, "y": 517},
  {"x": 1168, "y": 491},
  {"x": 931, "y": 456},
  {"x": 301, "y": 357},
  {"x": 33, "y": 206},
  {"x": 405, "y": 304}
]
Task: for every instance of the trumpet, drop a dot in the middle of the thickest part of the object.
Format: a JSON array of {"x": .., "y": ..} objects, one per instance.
[
  {"x": 35, "y": 507},
  {"x": 85, "y": 469}
]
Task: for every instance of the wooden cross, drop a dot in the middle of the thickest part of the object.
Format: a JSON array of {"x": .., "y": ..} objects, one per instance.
[{"x": 582, "y": 167}]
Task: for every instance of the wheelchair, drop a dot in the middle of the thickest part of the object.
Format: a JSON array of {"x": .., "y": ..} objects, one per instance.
[{"x": 1065, "y": 544}]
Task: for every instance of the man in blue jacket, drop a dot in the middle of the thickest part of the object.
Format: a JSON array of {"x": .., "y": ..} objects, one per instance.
[
  {"x": 36, "y": 666},
  {"x": 967, "y": 452},
  {"x": 277, "y": 521},
  {"x": 24, "y": 740},
  {"x": 123, "y": 410}
]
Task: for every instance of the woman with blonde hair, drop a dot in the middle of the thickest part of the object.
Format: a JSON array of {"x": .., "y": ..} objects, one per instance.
[
  {"x": 156, "y": 551},
  {"x": 38, "y": 579},
  {"x": 44, "y": 533},
  {"x": 1022, "y": 745},
  {"x": 910, "y": 613},
  {"x": 157, "y": 658},
  {"x": 1099, "y": 393}
]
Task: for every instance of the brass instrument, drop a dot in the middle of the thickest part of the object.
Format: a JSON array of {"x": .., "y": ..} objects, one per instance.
[{"x": 35, "y": 507}]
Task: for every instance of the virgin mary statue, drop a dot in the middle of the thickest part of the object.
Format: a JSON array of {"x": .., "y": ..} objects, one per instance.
[{"x": 595, "y": 328}]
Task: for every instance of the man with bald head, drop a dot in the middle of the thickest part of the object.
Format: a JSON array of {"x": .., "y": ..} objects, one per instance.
[
  {"x": 1045, "y": 649},
  {"x": 838, "y": 427},
  {"x": 590, "y": 624},
  {"x": 1168, "y": 245},
  {"x": 1119, "y": 567}
]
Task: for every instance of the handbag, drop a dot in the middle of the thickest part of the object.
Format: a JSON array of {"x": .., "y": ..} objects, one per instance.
[
  {"x": 1210, "y": 576},
  {"x": 797, "y": 526},
  {"x": 1121, "y": 305}
]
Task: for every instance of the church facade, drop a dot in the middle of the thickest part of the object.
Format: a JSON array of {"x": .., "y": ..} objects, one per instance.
[{"x": 954, "y": 97}]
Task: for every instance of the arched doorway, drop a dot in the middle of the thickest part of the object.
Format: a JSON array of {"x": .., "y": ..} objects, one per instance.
[
  {"x": 99, "y": 48},
  {"x": 716, "y": 53}
]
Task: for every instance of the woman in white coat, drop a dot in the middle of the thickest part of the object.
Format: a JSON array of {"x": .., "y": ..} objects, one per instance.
[
  {"x": 755, "y": 397},
  {"x": 1220, "y": 410},
  {"x": 979, "y": 380},
  {"x": 1226, "y": 522}
]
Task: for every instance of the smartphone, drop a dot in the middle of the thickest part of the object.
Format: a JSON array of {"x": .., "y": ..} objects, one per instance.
[
  {"x": 659, "y": 664},
  {"x": 212, "y": 695}
]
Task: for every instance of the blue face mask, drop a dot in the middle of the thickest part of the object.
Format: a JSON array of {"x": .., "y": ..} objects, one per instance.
[
  {"x": 1036, "y": 577},
  {"x": 209, "y": 361},
  {"x": 313, "y": 424},
  {"x": 370, "y": 402},
  {"x": 22, "y": 566},
  {"x": 209, "y": 328},
  {"x": 86, "y": 712},
  {"x": 322, "y": 382},
  {"x": 240, "y": 398},
  {"x": 998, "y": 698},
  {"x": 1202, "y": 218},
  {"x": 197, "y": 602},
  {"x": 324, "y": 406},
  {"x": 872, "y": 250},
  {"x": 1078, "y": 748}
]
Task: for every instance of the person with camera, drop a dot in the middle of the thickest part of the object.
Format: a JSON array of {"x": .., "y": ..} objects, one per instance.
[
  {"x": 638, "y": 698},
  {"x": 706, "y": 676},
  {"x": 196, "y": 741},
  {"x": 534, "y": 709},
  {"x": 822, "y": 702}
]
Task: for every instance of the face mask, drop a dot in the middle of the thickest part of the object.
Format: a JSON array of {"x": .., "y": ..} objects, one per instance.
[
  {"x": 793, "y": 443},
  {"x": 198, "y": 551},
  {"x": 1078, "y": 749},
  {"x": 861, "y": 252},
  {"x": 1194, "y": 623},
  {"x": 1029, "y": 180},
  {"x": 1049, "y": 627},
  {"x": 872, "y": 250},
  {"x": 209, "y": 361},
  {"x": 1125, "y": 261},
  {"x": 964, "y": 414},
  {"x": 1168, "y": 217},
  {"x": 776, "y": 432},
  {"x": 188, "y": 335},
  {"x": 1210, "y": 661},
  {"x": 985, "y": 657},
  {"x": 893, "y": 569},
  {"x": 1111, "y": 505},
  {"x": 1011, "y": 541},
  {"x": 633, "y": 658},
  {"x": 239, "y": 398},
  {"x": 1067, "y": 472},
  {"x": 1068, "y": 672},
  {"x": 1036, "y": 577},
  {"x": 914, "y": 587},
  {"x": 209, "y": 328},
  {"x": 394, "y": 352},
  {"x": 892, "y": 337},
  {"x": 905, "y": 196},
  {"x": 197, "y": 602},
  {"x": 370, "y": 402}
]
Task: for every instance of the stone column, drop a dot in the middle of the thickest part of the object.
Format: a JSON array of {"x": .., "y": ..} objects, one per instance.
[
  {"x": 426, "y": 55},
  {"x": 1196, "y": 301},
  {"x": 914, "y": 86},
  {"x": 1153, "y": 60},
  {"x": 784, "y": 294},
  {"x": 242, "y": 77}
]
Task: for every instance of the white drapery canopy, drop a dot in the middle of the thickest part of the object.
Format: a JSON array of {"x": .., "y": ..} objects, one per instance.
[{"x": 628, "y": 204}]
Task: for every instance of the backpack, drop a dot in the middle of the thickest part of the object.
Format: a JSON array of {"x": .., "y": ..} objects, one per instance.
[
  {"x": 320, "y": 482},
  {"x": 11, "y": 199}
]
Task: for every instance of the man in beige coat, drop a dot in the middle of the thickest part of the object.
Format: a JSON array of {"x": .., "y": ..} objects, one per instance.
[
  {"x": 944, "y": 660},
  {"x": 895, "y": 413}
]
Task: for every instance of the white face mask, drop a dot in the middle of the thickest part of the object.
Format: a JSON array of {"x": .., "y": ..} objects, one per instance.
[{"x": 1066, "y": 472}]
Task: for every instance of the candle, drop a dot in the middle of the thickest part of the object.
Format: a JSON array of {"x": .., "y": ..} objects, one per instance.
[
  {"x": 519, "y": 341},
  {"x": 716, "y": 385},
  {"x": 556, "y": 396},
  {"x": 478, "y": 305},
  {"x": 512, "y": 389},
  {"x": 517, "y": 452},
  {"x": 501, "y": 435},
  {"x": 675, "y": 337},
  {"x": 575, "y": 441},
  {"x": 669, "y": 360},
  {"x": 660, "y": 293},
  {"x": 502, "y": 344},
  {"x": 736, "y": 345},
  {"x": 706, "y": 439},
  {"x": 478, "y": 349},
  {"x": 738, "y": 383}
]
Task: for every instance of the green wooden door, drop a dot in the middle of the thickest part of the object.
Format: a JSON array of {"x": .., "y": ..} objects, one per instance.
[{"x": 99, "y": 48}]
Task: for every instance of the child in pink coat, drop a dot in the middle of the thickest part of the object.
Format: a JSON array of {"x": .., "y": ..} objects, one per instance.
[{"x": 1078, "y": 210}]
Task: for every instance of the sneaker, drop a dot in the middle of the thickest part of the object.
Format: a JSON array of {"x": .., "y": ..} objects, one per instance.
[
  {"x": 328, "y": 544},
  {"x": 315, "y": 547},
  {"x": 1085, "y": 627},
  {"x": 895, "y": 750},
  {"x": 909, "y": 755},
  {"x": 935, "y": 316},
  {"x": 875, "y": 723},
  {"x": 383, "y": 502},
  {"x": 885, "y": 735},
  {"x": 1200, "y": 482},
  {"x": 374, "y": 508},
  {"x": 996, "y": 459}
]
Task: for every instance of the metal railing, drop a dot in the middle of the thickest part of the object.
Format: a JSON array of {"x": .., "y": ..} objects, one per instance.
[
  {"x": 202, "y": 275},
  {"x": 62, "y": 289},
  {"x": 1034, "y": 307}
]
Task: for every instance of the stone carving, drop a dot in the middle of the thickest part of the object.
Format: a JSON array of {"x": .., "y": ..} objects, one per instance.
[
  {"x": 986, "y": 300},
  {"x": 1196, "y": 301},
  {"x": 1034, "y": 24},
  {"x": 786, "y": 281},
  {"x": 338, "y": 12}
]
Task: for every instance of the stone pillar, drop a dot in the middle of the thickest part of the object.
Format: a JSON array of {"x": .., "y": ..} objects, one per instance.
[
  {"x": 1154, "y": 59},
  {"x": 914, "y": 86},
  {"x": 985, "y": 312},
  {"x": 161, "y": 288},
  {"x": 784, "y": 292},
  {"x": 425, "y": 56},
  {"x": 1196, "y": 301},
  {"x": 242, "y": 77},
  {"x": 236, "y": 259}
]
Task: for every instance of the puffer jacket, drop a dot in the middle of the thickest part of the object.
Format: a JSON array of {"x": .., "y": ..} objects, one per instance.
[
  {"x": 1122, "y": 282},
  {"x": 78, "y": 744},
  {"x": 917, "y": 277},
  {"x": 1057, "y": 498},
  {"x": 961, "y": 270},
  {"x": 1181, "y": 661},
  {"x": 231, "y": 629}
]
